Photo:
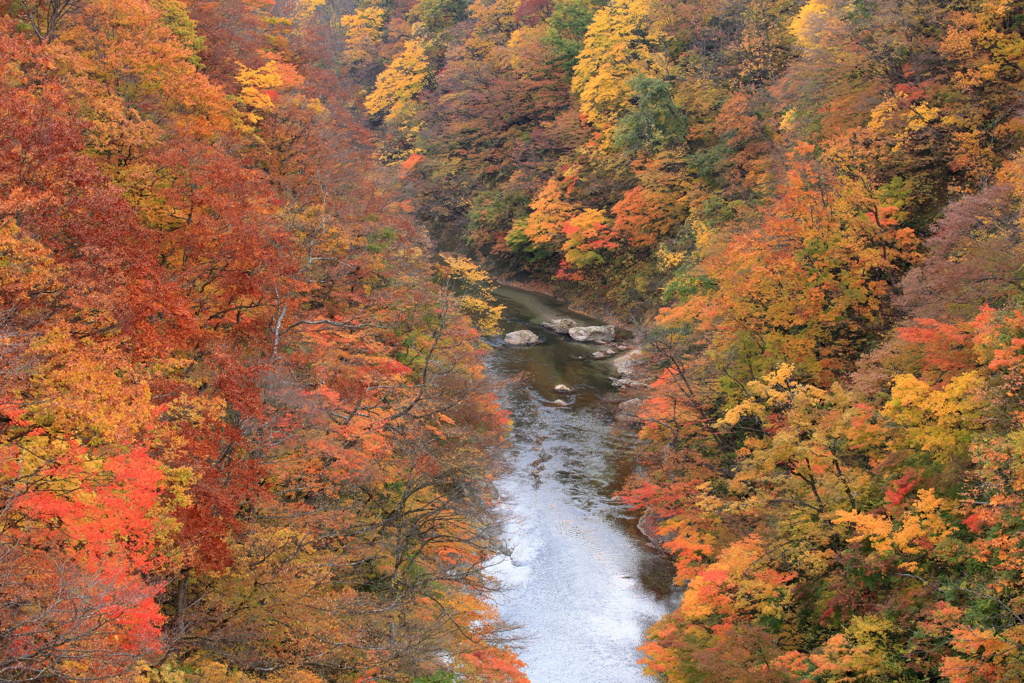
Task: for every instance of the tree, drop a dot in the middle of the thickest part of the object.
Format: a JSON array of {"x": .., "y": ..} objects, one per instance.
[
  {"x": 397, "y": 86},
  {"x": 621, "y": 43}
]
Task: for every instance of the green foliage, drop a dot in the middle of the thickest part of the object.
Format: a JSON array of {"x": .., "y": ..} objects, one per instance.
[
  {"x": 492, "y": 210},
  {"x": 175, "y": 15},
  {"x": 437, "y": 16},
  {"x": 566, "y": 28},
  {"x": 654, "y": 123},
  {"x": 380, "y": 239},
  {"x": 522, "y": 244},
  {"x": 437, "y": 678}
]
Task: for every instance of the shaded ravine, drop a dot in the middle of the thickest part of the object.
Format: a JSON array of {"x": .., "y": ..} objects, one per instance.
[{"x": 580, "y": 582}]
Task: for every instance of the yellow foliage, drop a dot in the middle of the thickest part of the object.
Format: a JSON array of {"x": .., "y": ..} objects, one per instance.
[
  {"x": 668, "y": 261},
  {"x": 937, "y": 419},
  {"x": 273, "y": 74},
  {"x": 399, "y": 84},
  {"x": 259, "y": 84},
  {"x": 484, "y": 315},
  {"x": 364, "y": 33},
  {"x": 90, "y": 389},
  {"x": 475, "y": 290},
  {"x": 740, "y": 582},
  {"x": 775, "y": 390},
  {"x": 307, "y": 8},
  {"x": 27, "y": 268},
  {"x": 198, "y": 669},
  {"x": 862, "y": 650},
  {"x": 549, "y": 210},
  {"x": 463, "y": 269},
  {"x": 621, "y": 42},
  {"x": 585, "y": 232},
  {"x": 818, "y": 24},
  {"x": 922, "y": 527}
]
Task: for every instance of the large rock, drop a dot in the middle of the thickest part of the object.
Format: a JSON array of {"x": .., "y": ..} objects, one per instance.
[
  {"x": 560, "y": 325},
  {"x": 595, "y": 333},
  {"x": 627, "y": 363},
  {"x": 628, "y": 410},
  {"x": 521, "y": 338}
]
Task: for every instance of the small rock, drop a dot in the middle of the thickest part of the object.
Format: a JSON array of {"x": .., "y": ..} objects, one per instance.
[
  {"x": 562, "y": 389},
  {"x": 559, "y": 402},
  {"x": 619, "y": 382},
  {"x": 598, "y": 355},
  {"x": 560, "y": 325},
  {"x": 594, "y": 333},
  {"x": 521, "y": 338}
]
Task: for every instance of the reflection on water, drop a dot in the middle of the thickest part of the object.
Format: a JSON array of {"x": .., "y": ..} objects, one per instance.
[{"x": 580, "y": 581}]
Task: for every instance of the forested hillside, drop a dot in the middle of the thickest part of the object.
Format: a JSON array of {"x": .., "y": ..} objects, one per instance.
[
  {"x": 818, "y": 204},
  {"x": 244, "y": 433}
]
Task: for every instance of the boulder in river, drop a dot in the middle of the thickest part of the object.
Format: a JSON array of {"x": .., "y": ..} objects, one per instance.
[
  {"x": 598, "y": 355},
  {"x": 560, "y": 325},
  {"x": 559, "y": 402},
  {"x": 562, "y": 389},
  {"x": 521, "y": 338},
  {"x": 594, "y": 333}
]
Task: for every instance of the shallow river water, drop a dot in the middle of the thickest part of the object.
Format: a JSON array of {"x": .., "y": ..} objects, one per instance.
[{"x": 580, "y": 582}]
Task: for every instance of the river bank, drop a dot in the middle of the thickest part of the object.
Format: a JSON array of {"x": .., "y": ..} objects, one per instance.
[{"x": 591, "y": 305}]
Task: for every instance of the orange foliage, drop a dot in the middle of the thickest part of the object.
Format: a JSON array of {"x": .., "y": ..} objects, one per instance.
[{"x": 231, "y": 395}]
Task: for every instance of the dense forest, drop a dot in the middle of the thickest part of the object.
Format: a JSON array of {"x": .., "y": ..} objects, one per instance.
[
  {"x": 816, "y": 207},
  {"x": 245, "y": 433}
]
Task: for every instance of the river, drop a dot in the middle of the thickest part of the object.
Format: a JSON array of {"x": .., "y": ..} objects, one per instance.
[{"x": 580, "y": 582}]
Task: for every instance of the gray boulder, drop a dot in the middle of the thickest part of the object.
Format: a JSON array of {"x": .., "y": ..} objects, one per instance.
[
  {"x": 521, "y": 338},
  {"x": 560, "y": 325},
  {"x": 594, "y": 333},
  {"x": 631, "y": 406},
  {"x": 627, "y": 363},
  {"x": 628, "y": 410}
]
